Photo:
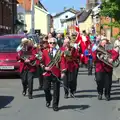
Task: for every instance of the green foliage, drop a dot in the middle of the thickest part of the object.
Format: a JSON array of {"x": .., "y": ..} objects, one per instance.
[{"x": 111, "y": 8}]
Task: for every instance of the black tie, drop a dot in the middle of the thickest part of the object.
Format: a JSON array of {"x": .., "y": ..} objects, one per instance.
[{"x": 51, "y": 54}]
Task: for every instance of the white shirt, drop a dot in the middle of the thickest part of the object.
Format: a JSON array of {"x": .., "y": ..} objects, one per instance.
[{"x": 54, "y": 51}]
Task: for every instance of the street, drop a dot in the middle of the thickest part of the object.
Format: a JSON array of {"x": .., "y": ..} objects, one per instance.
[{"x": 86, "y": 106}]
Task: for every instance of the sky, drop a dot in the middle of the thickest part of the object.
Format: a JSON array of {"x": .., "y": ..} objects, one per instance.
[{"x": 56, "y": 6}]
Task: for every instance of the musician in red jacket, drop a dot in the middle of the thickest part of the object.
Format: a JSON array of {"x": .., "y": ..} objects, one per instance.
[
  {"x": 27, "y": 69},
  {"x": 52, "y": 73},
  {"x": 71, "y": 57},
  {"x": 103, "y": 72},
  {"x": 42, "y": 46}
]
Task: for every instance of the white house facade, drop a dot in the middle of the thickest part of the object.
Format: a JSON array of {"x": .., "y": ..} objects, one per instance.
[
  {"x": 21, "y": 17},
  {"x": 58, "y": 21}
]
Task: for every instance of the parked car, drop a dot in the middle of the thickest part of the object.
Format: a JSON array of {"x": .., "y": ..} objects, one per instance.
[{"x": 8, "y": 54}]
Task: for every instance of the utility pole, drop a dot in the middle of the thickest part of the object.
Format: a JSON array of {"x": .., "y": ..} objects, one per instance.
[{"x": 32, "y": 17}]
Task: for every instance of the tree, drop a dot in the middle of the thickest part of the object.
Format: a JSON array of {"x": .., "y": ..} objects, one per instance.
[{"x": 111, "y": 8}]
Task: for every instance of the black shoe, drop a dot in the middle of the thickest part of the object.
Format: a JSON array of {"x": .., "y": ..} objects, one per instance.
[
  {"x": 66, "y": 96},
  {"x": 40, "y": 87},
  {"x": 107, "y": 97},
  {"x": 24, "y": 92},
  {"x": 48, "y": 104},
  {"x": 72, "y": 95},
  {"x": 30, "y": 96},
  {"x": 89, "y": 73},
  {"x": 99, "y": 97},
  {"x": 55, "y": 108}
]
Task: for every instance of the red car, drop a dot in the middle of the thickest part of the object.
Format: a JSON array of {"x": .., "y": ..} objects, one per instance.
[{"x": 8, "y": 46}]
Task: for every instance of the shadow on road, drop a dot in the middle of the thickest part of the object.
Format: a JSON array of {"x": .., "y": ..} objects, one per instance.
[
  {"x": 35, "y": 90},
  {"x": 115, "y": 85},
  {"x": 115, "y": 98},
  {"x": 115, "y": 90},
  {"x": 115, "y": 93},
  {"x": 5, "y": 100},
  {"x": 9, "y": 76},
  {"x": 115, "y": 81},
  {"x": 85, "y": 96},
  {"x": 39, "y": 96},
  {"x": 80, "y": 73},
  {"x": 81, "y": 91},
  {"x": 81, "y": 107},
  {"x": 83, "y": 70}
]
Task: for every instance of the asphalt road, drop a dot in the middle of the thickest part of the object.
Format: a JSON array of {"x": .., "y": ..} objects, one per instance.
[{"x": 86, "y": 106}]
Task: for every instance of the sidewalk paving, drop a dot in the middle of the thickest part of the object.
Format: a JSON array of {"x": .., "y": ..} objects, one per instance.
[{"x": 116, "y": 72}]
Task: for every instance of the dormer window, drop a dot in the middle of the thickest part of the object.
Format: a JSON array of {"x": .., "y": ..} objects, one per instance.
[{"x": 66, "y": 16}]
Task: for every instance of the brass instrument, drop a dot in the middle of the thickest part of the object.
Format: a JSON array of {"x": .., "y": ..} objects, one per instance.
[
  {"x": 33, "y": 63},
  {"x": 68, "y": 54},
  {"x": 39, "y": 55},
  {"x": 103, "y": 55},
  {"x": 55, "y": 60}
]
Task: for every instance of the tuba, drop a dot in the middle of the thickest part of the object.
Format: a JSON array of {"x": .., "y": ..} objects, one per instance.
[{"x": 103, "y": 55}]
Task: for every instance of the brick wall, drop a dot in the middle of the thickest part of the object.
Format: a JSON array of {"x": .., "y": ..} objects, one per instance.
[
  {"x": 7, "y": 16},
  {"x": 104, "y": 20}
]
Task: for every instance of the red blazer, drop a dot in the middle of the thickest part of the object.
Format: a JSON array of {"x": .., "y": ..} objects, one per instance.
[
  {"x": 102, "y": 67},
  {"x": 55, "y": 69},
  {"x": 72, "y": 65},
  {"x": 24, "y": 66}
]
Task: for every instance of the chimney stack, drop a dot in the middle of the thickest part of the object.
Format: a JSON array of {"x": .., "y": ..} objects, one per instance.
[{"x": 65, "y": 8}]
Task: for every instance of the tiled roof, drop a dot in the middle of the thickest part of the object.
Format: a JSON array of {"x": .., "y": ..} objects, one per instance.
[
  {"x": 70, "y": 9},
  {"x": 27, "y": 4},
  {"x": 84, "y": 16},
  {"x": 74, "y": 17}
]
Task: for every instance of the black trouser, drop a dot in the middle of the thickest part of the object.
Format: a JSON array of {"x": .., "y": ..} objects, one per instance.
[
  {"x": 56, "y": 89},
  {"x": 90, "y": 66},
  {"x": 75, "y": 79},
  {"x": 104, "y": 80},
  {"x": 40, "y": 80},
  {"x": 69, "y": 82},
  {"x": 40, "y": 76},
  {"x": 27, "y": 81}
]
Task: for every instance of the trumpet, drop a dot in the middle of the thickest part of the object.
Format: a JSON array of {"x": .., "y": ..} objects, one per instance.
[{"x": 103, "y": 55}]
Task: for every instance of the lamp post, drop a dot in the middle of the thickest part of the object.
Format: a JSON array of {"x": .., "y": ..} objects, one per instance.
[
  {"x": 24, "y": 14},
  {"x": 32, "y": 17}
]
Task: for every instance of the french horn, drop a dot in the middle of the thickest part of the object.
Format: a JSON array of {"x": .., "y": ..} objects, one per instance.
[{"x": 103, "y": 55}]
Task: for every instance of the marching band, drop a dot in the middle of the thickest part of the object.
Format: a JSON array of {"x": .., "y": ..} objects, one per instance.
[{"x": 60, "y": 65}]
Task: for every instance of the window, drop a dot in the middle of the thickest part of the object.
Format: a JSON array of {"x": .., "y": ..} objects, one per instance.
[
  {"x": 66, "y": 16},
  {"x": 9, "y": 44},
  {"x": 62, "y": 24}
]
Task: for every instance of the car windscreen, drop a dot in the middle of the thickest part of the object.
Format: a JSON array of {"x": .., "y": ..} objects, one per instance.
[{"x": 9, "y": 44}]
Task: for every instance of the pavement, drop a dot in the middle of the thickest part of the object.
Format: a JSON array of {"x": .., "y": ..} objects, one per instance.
[
  {"x": 86, "y": 106},
  {"x": 116, "y": 72}
]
